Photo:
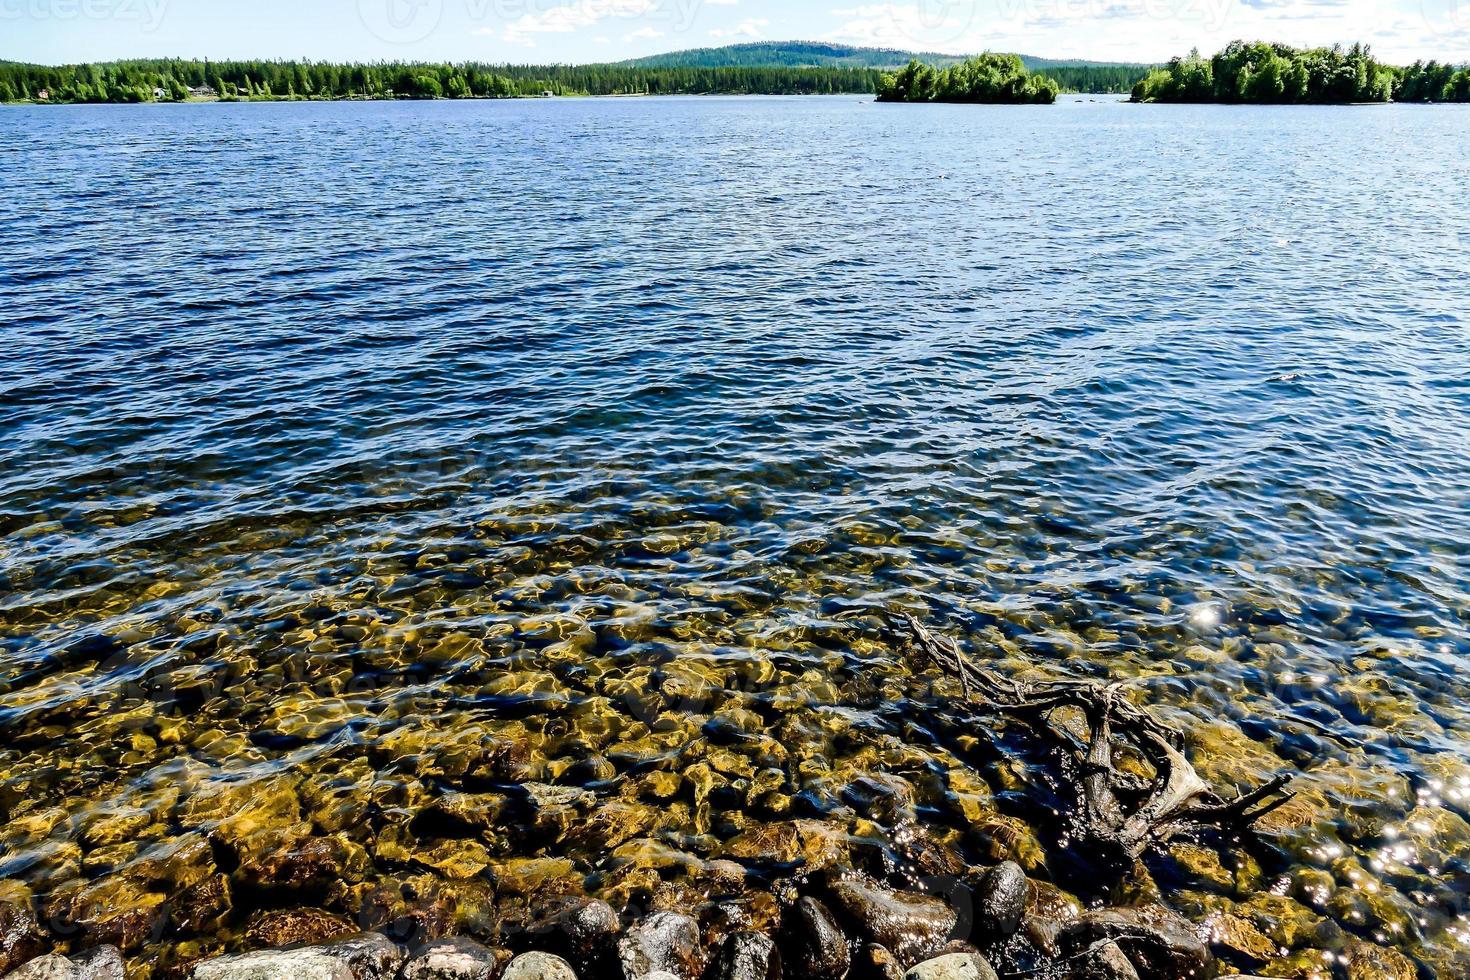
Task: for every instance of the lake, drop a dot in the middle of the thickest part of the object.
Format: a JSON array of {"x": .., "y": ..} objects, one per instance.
[{"x": 362, "y": 462}]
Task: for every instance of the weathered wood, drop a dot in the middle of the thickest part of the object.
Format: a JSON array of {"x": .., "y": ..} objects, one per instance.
[{"x": 1117, "y": 816}]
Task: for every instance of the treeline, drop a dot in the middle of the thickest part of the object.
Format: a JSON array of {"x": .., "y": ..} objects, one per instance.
[
  {"x": 1432, "y": 82},
  {"x": 175, "y": 80},
  {"x": 1102, "y": 79},
  {"x": 987, "y": 78},
  {"x": 1275, "y": 73}
]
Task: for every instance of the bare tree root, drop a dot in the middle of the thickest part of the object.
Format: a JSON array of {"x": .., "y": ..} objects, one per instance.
[{"x": 1117, "y": 815}]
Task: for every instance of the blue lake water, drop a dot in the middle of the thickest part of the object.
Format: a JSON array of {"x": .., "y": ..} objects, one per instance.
[{"x": 338, "y": 435}]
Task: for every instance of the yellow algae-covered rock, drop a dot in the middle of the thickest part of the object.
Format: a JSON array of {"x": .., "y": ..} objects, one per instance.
[
  {"x": 811, "y": 844},
  {"x": 536, "y": 876},
  {"x": 1387, "y": 704},
  {"x": 1368, "y": 961},
  {"x": 293, "y": 862},
  {"x": 459, "y": 814},
  {"x": 659, "y": 785},
  {"x": 113, "y": 911},
  {"x": 1005, "y": 838},
  {"x": 1429, "y": 836},
  {"x": 114, "y": 826},
  {"x": 1305, "y": 964},
  {"x": 463, "y": 750},
  {"x": 1286, "y": 921},
  {"x": 1202, "y": 864},
  {"x": 457, "y": 859},
  {"x": 1238, "y": 936},
  {"x": 1225, "y": 757},
  {"x": 239, "y": 807},
  {"x": 613, "y": 823},
  {"x": 969, "y": 795},
  {"x": 32, "y": 827}
]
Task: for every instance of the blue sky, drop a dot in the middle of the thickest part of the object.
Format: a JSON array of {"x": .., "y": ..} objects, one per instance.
[{"x": 57, "y": 31}]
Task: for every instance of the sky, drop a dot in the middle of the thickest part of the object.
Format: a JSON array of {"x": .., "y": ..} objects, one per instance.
[{"x": 546, "y": 31}]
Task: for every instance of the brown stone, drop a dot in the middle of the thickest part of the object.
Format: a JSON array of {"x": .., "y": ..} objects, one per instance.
[
  {"x": 295, "y": 927},
  {"x": 20, "y": 936}
]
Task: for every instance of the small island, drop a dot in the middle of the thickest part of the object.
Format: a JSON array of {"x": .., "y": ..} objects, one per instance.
[
  {"x": 1277, "y": 74},
  {"x": 989, "y": 78}
]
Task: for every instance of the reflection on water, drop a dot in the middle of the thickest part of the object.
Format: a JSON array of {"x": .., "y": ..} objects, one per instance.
[{"x": 370, "y": 470}]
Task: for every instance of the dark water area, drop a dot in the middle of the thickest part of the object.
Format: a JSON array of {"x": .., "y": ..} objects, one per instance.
[{"x": 367, "y": 468}]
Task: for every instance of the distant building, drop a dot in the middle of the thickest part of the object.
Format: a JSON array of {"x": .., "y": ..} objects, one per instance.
[
  {"x": 203, "y": 92},
  {"x": 547, "y": 94},
  {"x": 160, "y": 94},
  {"x": 44, "y": 95}
]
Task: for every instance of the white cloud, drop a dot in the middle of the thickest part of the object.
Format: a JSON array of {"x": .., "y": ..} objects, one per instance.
[
  {"x": 939, "y": 27},
  {"x": 643, "y": 32},
  {"x": 575, "y": 16},
  {"x": 750, "y": 27}
]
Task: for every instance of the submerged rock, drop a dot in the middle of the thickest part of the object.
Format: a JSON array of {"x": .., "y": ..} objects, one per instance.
[
  {"x": 816, "y": 944},
  {"x": 453, "y": 959},
  {"x": 954, "y": 966},
  {"x": 664, "y": 941},
  {"x": 1366, "y": 961},
  {"x": 110, "y": 912},
  {"x": 912, "y": 926},
  {"x": 746, "y": 956},
  {"x": 295, "y": 927},
  {"x": 538, "y": 966}
]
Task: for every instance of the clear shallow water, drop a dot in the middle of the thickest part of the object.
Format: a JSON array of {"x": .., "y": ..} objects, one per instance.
[{"x": 346, "y": 445}]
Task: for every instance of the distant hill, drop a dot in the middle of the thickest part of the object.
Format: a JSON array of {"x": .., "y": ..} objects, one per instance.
[
  {"x": 821, "y": 54},
  {"x": 789, "y": 54}
]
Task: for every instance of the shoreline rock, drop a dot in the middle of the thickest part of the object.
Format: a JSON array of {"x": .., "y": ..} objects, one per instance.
[{"x": 816, "y": 927}]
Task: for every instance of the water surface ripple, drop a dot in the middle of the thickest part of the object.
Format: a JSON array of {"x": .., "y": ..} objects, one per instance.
[{"x": 343, "y": 441}]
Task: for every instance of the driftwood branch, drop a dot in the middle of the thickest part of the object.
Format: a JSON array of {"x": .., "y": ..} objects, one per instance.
[{"x": 1117, "y": 815}]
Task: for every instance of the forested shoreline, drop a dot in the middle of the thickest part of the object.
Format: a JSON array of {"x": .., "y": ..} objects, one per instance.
[
  {"x": 1277, "y": 74},
  {"x": 180, "y": 80},
  {"x": 177, "y": 80}
]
